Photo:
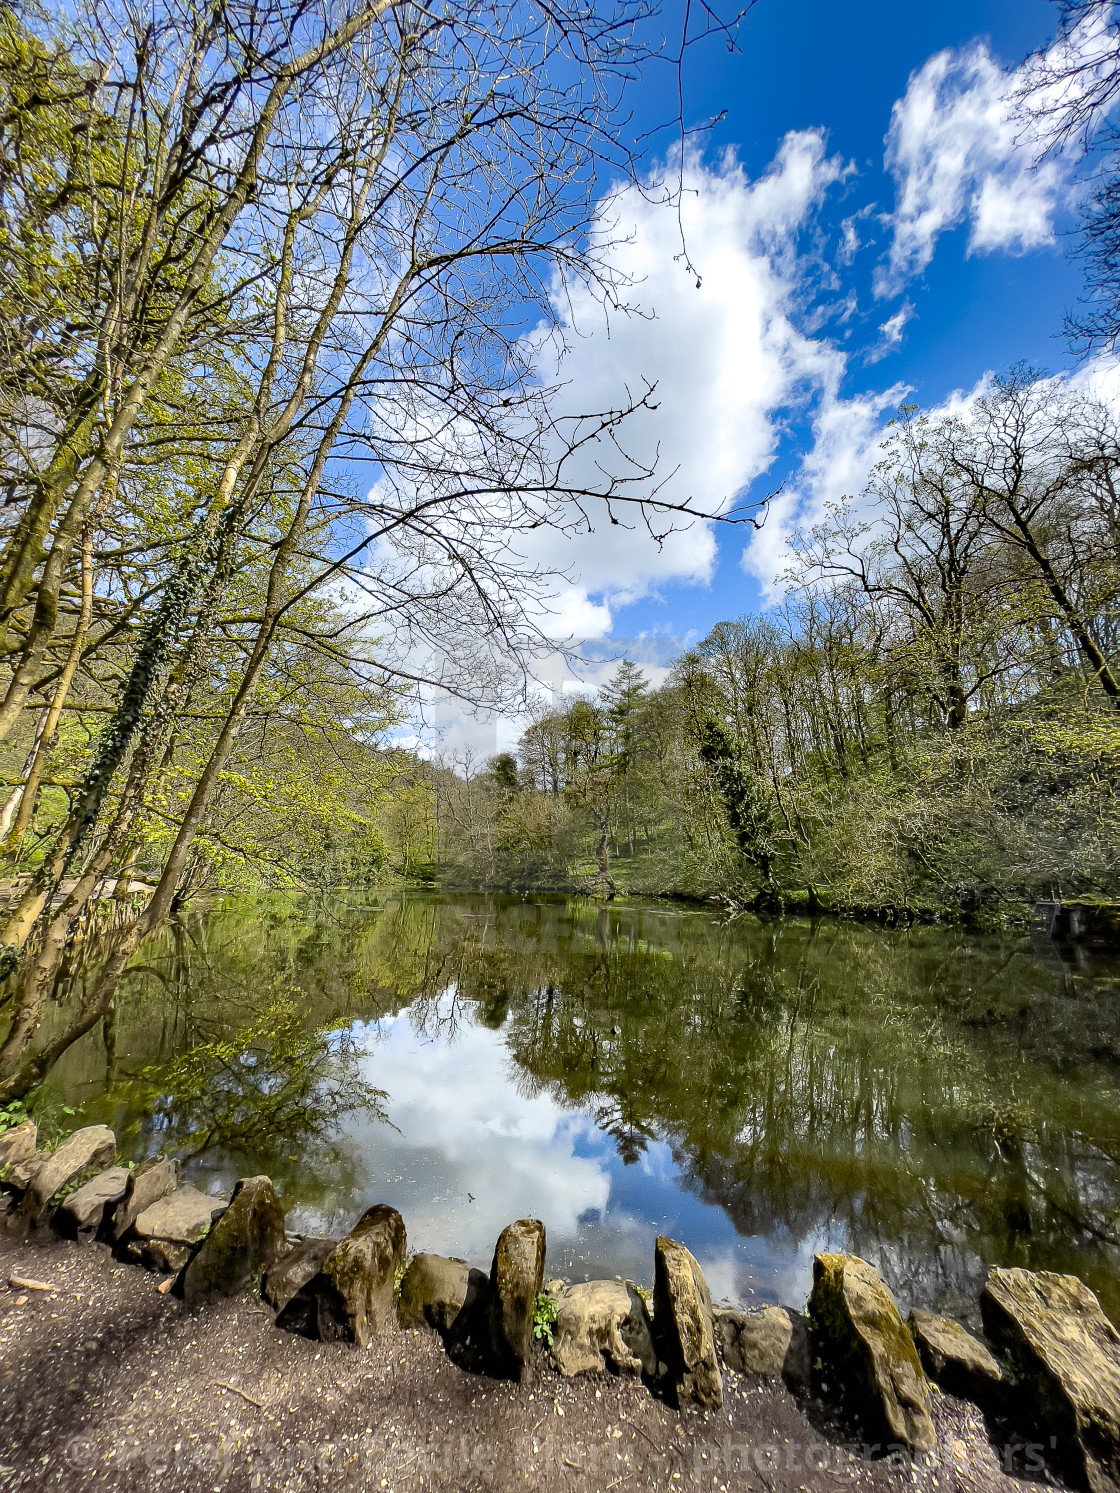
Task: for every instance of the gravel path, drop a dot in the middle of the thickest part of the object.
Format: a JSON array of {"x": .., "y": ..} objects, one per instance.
[{"x": 106, "y": 1383}]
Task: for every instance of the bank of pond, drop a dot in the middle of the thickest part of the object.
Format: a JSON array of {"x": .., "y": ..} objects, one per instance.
[
  {"x": 934, "y": 1100},
  {"x": 1047, "y": 1381}
]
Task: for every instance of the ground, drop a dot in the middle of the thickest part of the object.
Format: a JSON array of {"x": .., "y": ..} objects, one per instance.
[{"x": 107, "y": 1383}]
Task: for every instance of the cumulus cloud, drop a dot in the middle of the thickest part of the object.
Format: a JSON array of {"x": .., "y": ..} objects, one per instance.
[
  {"x": 725, "y": 355},
  {"x": 847, "y": 435},
  {"x": 954, "y": 153},
  {"x": 847, "y": 442},
  {"x": 729, "y": 361},
  {"x": 958, "y": 154}
]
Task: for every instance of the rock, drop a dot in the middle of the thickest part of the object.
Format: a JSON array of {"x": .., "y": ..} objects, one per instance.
[
  {"x": 432, "y": 1292},
  {"x": 19, "y": 1173},
  {"x": 82, "y": 1211},
  {"x": 354, "y": 1288},
  {"x": 868, "y": 1350},
  {"x": 515, "y": 1282},
  {"x": 94, "y": 1146},
  {"x": 293, "y": 1270},
  {"x": 754, "y": 1342},
  {"x": 17, "y": 1144},
  {"x": 468, "y": 1340},
  {"x": 242, "y": 1243},
  {"x": 955, "y": 1359},
  {"x": 682, "y": 1326},
  {"x": 797, "y": 1371},
  {"x": 1066, "y": 1354},
  {"x": 151, "y": 1180},
  {"x": 182, "y": 1217},
  {"x": 164, "y": 1255},
  {"x": 599, "y": 1324}
]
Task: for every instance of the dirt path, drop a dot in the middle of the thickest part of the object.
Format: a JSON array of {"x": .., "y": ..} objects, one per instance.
[{"x": 106, "y": 1383}]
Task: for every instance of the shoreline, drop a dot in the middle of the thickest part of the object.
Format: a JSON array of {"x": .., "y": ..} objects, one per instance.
[{"x": 109, "y": 1383}]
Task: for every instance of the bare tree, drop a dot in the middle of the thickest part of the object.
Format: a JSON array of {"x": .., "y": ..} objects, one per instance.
[{"x": 1069, "y": 92}]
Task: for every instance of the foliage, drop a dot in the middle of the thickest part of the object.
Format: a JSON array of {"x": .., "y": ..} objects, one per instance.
[
  {"x": 281, "y": 1078},
  {"x": 12, "y": 1115},
  {"x": 544, "y": 1318},
  {"x": 52, "y": 1117}
]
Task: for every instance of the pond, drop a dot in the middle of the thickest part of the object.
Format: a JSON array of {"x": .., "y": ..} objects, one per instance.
[{"x": 933, "y": 1100}]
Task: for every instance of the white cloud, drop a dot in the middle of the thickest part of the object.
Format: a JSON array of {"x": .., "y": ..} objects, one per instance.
[
  {"x": 729, "y": 362},
  {"x": 890, "y": 333},
  {"x": 958, "y": 154},
  {"x": 847, "y": 440},
  {"x": 726, "y": 357},
  {"x": 847, "y": 434},
  {"x": 954, "y": 153}
]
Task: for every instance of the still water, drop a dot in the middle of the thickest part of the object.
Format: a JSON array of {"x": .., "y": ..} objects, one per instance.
[{"x": 933, "y": 1100}]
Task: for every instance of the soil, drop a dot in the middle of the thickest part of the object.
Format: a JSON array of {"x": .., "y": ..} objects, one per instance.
[{"x": 107, "y": 1383}]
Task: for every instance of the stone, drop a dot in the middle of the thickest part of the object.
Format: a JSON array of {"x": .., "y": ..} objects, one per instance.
[
  {"x": 182, "y": 1217},
  {"x": 866, "y": 1348},
  {"x": 602, "y": 1324},
  {"x": 954, "y": 1359},
  {"x": 17, "y": 1144},
  {"x": 81, "y": 1213},
  {"x": 516, "y": 1275},
  {"x": 164, "y": 1255},
  {"x": 242, "y": 1244},
  {"x": 18, "y": 1175},
  {"x": 89, "y": 1148},
  {"x": 432, "y": 1292},
  {"x": 682, "y": 1326},
  {"x": 354, "y": 1288},
  {"x": 754, "y": 1342},
  {"x": 292, "y": 1271},
  {"x": 1066, "y": 1355},
  {"x": 151, "y": 1180},
  {"x": 797, "y": 1371},
  {"x": 468, "y": 1339}
]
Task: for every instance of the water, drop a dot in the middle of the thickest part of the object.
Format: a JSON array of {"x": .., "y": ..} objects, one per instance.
[{"x": 935, "y": 1101}]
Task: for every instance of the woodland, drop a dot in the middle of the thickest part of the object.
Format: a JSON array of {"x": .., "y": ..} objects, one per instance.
[
  {"x": 277, "y": 283},
  {"x": 927, "y": 722}
]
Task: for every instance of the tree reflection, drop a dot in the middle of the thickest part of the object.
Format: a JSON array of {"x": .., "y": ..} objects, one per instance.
[{"x": 938, "y": 1103}]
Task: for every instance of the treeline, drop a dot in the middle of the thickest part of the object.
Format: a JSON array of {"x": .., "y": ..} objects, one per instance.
[{"x": 928, "y": 720}]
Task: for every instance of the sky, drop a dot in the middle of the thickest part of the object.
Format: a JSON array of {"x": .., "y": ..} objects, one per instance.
[{"x": 864, "y": 225}]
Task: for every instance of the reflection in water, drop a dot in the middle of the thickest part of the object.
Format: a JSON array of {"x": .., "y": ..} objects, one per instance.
[{"x": 935, "y": 1101}]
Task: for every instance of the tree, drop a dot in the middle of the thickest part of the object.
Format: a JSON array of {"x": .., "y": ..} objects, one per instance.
[
  {"x": 918, "y": 545},
  {"x": 750, "y": 814},
  {"x": 315, "y": 243},
  {"x": 1065, "y": 100},
  {"x": 1042, "y": 464}
]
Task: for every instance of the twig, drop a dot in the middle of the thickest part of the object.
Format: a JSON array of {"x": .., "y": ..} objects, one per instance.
[
  {"x": 225, "y": 1384},
  {"x": 23, "y": 1283},
  {"x": 641, "y": 1433}
]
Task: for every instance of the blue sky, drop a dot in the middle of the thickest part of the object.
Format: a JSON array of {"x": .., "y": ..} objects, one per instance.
[
  {"x": 868, "y": 223},
  {"x": 843, "y": 68}
]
